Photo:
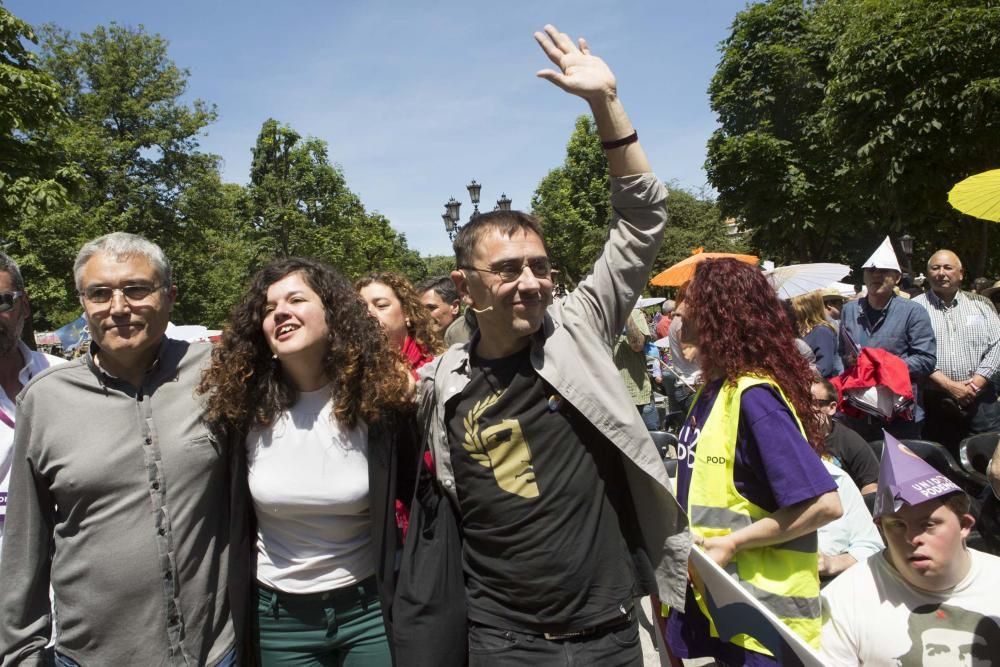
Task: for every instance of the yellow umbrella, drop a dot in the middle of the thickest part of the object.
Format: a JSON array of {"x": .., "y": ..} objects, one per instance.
[
  {"x": 978, "y": 196},
  {"x": 683, "y": 271}
]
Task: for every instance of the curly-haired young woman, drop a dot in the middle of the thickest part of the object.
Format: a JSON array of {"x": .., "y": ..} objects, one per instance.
[
  {"x": 752, "y": 484},
  {"x": 302, "y": 378},
  {"x": 407, "y": 323}
]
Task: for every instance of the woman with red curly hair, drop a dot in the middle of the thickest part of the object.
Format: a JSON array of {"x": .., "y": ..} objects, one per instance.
[{"x": 753, "y": 486}]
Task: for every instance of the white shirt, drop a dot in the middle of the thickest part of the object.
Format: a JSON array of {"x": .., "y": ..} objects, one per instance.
[
  {"x": 35, "y": 363},
  {"x": 869, "y": 619},
  {"x": 308, "y": 477},
  {"x": 854, "y": 532}
]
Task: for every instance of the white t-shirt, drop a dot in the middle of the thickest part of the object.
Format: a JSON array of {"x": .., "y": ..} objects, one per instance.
[
  {"x": 854, "y": 532},
  {"x": 35, "y": 363},
  {"x": 308, "y": 477},
  {"x": 869, "y": 619}
]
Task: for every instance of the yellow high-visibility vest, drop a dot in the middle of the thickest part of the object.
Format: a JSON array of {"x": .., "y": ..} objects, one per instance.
[{"x": 783, "y": 576}]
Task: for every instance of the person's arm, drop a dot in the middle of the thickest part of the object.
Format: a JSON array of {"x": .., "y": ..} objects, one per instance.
[
  {"x": 783, "y": 525},
  {"x": 921, "y": 350},
  {"x": 25, "y": 612},
  {"x": 989, "y": 365},
  {"x": 830, "y": 565},
  {"x": 962, "y": 392},
  {"x": 823, "y": 342},
  {"x": 587, "y": 76},
  {"x": 638, "y": 200},
  {"x": 856, "y": 524}
]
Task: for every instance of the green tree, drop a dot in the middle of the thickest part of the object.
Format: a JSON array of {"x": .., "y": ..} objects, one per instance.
[
  {"x": 32, "y": 176},
  {"x": 694, "y": 222},
  {"x": 573, "y": 204},
  {"x": 438, "y": 265},
  {"x": 300, "y": 205},
  {"x": 135, "y": 146},
  {"x": 768, "y": 159},
  {"x": 845, "y": 120}
]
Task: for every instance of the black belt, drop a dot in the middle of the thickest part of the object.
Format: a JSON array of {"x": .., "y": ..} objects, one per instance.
[{"x": 607, "y": 626}]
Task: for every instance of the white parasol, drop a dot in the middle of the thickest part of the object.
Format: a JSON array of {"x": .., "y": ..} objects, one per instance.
[{"x": 798, "y": 279}]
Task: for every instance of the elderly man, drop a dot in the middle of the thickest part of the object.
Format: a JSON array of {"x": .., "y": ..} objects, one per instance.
[
  {"x": 926, "y": 594},
  {"x": 18, "y": 364},
  {"x": 960, "y": 395},
  {"x": 119, "y": 493},
  {"x": 533, "y": 432},
  {"x": 880, "y": 319}
]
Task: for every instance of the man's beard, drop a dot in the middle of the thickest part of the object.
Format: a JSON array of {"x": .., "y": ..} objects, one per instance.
[{"x": 8, "y": 339}]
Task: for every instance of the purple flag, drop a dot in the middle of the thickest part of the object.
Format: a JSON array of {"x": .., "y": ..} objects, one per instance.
[{"x": 904, "y": 477}]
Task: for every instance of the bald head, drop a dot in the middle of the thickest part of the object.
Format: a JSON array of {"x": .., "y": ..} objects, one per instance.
[{"x": 944, "y": 272}]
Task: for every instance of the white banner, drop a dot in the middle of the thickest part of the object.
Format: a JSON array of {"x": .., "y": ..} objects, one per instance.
[{"x": 735, "y": 612}]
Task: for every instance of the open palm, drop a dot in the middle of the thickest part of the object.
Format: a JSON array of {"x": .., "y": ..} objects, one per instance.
[{"x": 580, "y": 72}]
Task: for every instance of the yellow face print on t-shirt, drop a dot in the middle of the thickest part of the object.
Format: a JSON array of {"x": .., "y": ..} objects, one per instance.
[{"x": 502, "y": 448}]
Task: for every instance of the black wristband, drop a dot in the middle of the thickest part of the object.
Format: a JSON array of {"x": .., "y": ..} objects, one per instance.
[{"x": 618, "y": 143}]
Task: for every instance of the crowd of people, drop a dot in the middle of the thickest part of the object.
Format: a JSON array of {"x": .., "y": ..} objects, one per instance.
[{"x": 366, "y": 475}]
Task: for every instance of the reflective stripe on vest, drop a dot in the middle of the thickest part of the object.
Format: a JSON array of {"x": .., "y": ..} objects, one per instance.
[{"x": 783, "y": 576}]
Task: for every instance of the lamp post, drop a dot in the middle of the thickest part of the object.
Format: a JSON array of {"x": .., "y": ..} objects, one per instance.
[
  {"x": 451, "y": 215},
  {"x": 906, "y": 245}
]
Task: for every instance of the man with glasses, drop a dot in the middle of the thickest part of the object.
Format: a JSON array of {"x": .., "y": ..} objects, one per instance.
[
  {"x": 18, "y": 364},
  {"x": 119, "y": 493},
  {"x": 846, "y": 449},
  {"x": 533, "y": 433}
]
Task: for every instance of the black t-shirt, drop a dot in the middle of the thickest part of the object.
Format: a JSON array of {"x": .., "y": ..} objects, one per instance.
[
  {"x": 541, "y": 492},
  {"x": 853, "y": 454}
]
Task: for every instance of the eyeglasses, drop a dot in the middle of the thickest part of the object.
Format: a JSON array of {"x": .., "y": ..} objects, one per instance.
[
  {"x": 508, "y": 272},
  {"x": 131, "y": 293},
  {"x": 8, "y": 299}
]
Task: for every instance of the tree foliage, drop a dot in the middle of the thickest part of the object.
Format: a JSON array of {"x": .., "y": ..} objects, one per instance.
[
  {"x": 845, "y": 120},
  {"x": 32, "y": 177},
  {"x": 134, "y": 145},
  {"x": 300, "y": 205},
  {"x": 96, "y": 136}
]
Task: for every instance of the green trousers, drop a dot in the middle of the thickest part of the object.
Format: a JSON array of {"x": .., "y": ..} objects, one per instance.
[{"x": 338, "y": 628}]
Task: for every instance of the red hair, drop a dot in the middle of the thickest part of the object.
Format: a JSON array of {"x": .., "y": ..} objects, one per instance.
[{"x": 743, "y": 329}]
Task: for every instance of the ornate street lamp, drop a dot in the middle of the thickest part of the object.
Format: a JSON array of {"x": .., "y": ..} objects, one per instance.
[
  {"x": 474, "y": 189},
  {"x": 906, "y": 245},
  {"x": 451, "y": 215}
]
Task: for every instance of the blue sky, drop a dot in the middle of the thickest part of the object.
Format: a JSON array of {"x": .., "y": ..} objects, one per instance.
[{"x": 417, "y": 98}]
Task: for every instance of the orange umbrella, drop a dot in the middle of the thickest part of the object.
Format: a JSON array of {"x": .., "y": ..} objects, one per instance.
[{"x": 683, "y": 271}]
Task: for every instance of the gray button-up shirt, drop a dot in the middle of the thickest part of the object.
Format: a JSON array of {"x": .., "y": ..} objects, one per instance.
[
  {"x": 120, "y": 500},
  {"x": 967, "y": 332}
]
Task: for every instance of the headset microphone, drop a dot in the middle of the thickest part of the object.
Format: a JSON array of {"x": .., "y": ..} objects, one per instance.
[{"x": 477, "y": 311}]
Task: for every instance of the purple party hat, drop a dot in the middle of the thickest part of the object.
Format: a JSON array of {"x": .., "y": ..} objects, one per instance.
[{"x": 906, "y": 478}]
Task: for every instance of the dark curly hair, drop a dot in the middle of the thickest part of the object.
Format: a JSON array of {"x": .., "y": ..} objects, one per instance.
[
  {"x": 743, "y": 328},
  {"x": 245, "y": 385},
  {"x": 421, "y": 327}
]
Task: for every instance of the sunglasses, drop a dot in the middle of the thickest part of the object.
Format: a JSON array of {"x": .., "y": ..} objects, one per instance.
[{"x": 8, "y": 299}]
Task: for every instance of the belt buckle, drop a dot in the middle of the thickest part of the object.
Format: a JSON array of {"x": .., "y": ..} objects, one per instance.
[{"x": 567, "y": 635}]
